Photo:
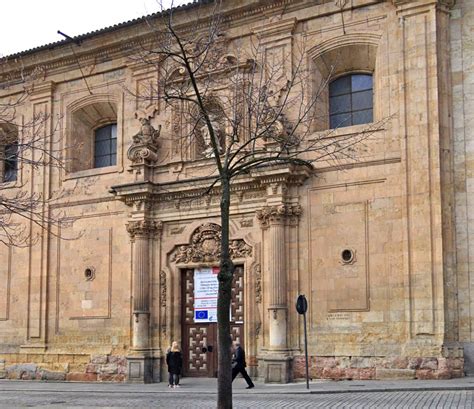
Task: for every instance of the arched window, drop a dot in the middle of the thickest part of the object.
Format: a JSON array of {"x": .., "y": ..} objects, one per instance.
[
  {"x": 105, "y": 146},
  {"x": 351, "y": 100},
  {"x": 93, "y": 135}
]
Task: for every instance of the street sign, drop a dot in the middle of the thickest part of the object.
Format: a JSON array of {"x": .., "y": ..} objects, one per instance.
[
  {"x": 301, "y": 304},
  {"x": 301, "y": 308}
]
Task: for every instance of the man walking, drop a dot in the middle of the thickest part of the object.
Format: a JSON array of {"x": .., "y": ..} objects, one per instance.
[{"x": 239, "y": 364}]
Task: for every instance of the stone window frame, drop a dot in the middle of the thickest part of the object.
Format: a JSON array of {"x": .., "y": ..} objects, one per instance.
[
  {"x": 84, "y": 103},
  {"x": 334, "y": 58},
  {"x": 4, "y": 143}
]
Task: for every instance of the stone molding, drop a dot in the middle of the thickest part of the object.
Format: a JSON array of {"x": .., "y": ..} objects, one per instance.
[
  {"x": 278, "y": 214},
  {"x": 417, "y": 3}
]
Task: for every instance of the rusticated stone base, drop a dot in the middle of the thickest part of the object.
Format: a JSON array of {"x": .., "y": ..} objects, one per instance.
[
  {"x": 366, "y": 368},
  {"x": 63, "y": 367}
]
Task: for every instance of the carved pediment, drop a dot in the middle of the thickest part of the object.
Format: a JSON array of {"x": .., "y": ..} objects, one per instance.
[{"x": 205, "y": 247}]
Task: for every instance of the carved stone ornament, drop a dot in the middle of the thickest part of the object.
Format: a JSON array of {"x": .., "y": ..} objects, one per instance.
[
  {"x": 205, "y": 246},
  {"x": 144, "y": 228},
  {"x": 145, "y": 143},
  {"x": 163, "y": 288},
  {"x": 258, "y": 283},
  {"x": 280, "y": 213}
]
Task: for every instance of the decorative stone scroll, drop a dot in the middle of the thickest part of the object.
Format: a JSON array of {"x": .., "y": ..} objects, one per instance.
[
  {"x": 278, "y": 213},
  {"x": 144, "y": 228},
  {"x": 145, "y": 143},
  {"x": 205, "y": 246}
]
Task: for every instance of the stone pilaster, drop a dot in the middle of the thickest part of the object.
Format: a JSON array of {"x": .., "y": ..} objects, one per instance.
[
  {"x": 140, "y": 362},
  {"x": 275, "y": 219}
]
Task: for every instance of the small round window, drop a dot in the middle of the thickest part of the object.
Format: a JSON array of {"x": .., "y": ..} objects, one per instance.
[
  {"x": 347, "y": 256},
  {"x": 89, "y": 273}
]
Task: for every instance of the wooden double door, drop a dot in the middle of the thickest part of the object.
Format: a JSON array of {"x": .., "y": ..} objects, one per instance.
[{"x": 200, "y": 339}]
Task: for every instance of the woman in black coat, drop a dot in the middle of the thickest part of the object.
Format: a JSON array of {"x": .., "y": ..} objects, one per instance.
[{"x": 174, "y": 360}]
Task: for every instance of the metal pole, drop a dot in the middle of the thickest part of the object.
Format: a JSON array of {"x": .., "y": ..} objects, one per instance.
[{"x": 306, "y": 350}]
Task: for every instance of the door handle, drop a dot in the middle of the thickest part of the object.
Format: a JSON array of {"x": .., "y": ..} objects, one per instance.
[
  {"x": 210, "y": 348},
  {"x": 204, "y": 350}
]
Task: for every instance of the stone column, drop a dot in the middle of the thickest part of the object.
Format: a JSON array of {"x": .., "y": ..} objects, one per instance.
[
  {"x": 140, "y": 361},
  {"x": 275, "y": 219}
]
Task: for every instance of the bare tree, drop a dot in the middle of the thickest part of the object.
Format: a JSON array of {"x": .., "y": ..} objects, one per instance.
[
  {"x": 26, "y": 146},
  {"x": 243, "y": 109}
]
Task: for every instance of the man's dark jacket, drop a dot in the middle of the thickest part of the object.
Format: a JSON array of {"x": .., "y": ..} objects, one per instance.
[{"x": 239, "y": 358}]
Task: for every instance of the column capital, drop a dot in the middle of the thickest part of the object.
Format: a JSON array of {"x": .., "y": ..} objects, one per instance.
[
  {"x": 278, "y": 214},
  {"x": 144, "y": 228}
]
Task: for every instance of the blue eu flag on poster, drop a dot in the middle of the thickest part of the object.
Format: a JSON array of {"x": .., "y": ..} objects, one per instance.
[{"x": 201, "y": 315}]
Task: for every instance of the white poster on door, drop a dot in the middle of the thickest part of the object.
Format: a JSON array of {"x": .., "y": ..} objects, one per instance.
[{"x": 206, "y": 288}]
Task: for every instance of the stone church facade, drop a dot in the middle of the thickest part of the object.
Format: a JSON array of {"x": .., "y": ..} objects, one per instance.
[{"x": 380, "y": 246}]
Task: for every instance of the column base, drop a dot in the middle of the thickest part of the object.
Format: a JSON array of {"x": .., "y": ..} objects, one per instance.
[
  {"x": 140, "y": 369},
  {"x": 276, "y": 368}
]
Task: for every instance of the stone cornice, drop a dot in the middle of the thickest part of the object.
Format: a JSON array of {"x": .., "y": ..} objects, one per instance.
[
  {"x": 259, "y": 179},
  {"x": 407, "y": 4}
]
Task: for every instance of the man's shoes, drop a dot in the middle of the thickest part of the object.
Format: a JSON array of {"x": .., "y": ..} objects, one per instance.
[{"x": 250, "y": 387}]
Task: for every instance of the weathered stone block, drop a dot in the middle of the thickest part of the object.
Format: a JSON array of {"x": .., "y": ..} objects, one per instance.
[
  {"x": 65, "y": 358},
  {"x": 382, "y": 373},
  {"x": 81, "y": 377},
  {"x": 362, "y": 362},
  {"x": 367, "y": 374},
  {"x": 98, "y": 359},
  {"x": 343, "y": 362},
  {"x": 52, "y": 376},
  {"x": 426, "y": 374},
  {"x": 325, "y": 362},
  {"x": 429, "y": 363},
  {"x": 112, "y": 377},
  {"x": 108, "y": 369},
  {"x": 84, "y": 359},
  {"x": 92, "y": 368},
  {"x": 352, "y": 373},
  {"x": 414, "y": 363},
  {"x": 50, "y": 358},
  {"x": 315, "y": 373},
  {"x": 21, "y": 371},
  {"x": 333, "y": 373}
]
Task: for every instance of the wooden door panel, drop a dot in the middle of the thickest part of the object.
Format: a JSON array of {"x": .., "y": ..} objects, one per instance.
[{"x": 196, "y": 336}]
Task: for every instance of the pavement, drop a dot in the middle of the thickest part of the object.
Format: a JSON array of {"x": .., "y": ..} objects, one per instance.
[
  {"x": 208, "y": 386},
  {"x": 196, "y": 393}
]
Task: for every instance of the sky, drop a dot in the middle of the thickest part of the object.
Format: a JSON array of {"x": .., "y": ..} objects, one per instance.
[{"x": 27, "y": 24}]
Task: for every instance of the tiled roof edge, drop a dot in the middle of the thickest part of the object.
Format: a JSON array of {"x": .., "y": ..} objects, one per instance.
[{"x": 114, "y": 27}]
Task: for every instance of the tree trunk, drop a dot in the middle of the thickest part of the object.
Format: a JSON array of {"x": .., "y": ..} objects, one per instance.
[{"x": 224, "y": 377}]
